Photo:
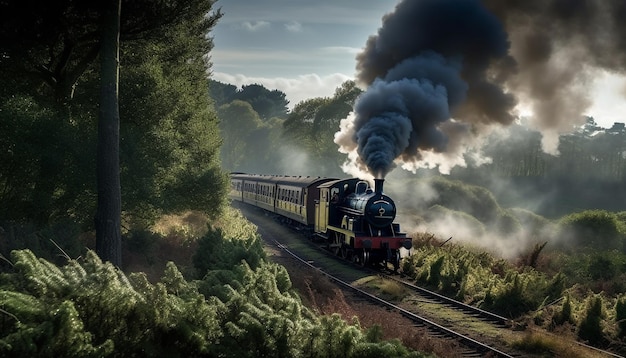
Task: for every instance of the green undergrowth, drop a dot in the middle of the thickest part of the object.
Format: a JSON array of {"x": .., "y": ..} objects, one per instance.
[{"x": 233, "y": 303}]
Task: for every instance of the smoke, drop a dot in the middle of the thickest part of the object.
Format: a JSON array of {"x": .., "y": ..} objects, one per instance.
[
  {"x": 466, "y": 213},
  {"x": 428, "y": 59},
  {"x": 559, "y": 47},
  {"x": 441, "y": 74}
]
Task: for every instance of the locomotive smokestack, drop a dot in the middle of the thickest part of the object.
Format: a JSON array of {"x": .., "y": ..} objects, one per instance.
[{"x": 378, "y": 186}]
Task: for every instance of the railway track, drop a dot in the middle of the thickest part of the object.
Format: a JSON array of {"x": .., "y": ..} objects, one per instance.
[
  {"x": 442, "y": 316},
  {"x": 475, "y": 348}
]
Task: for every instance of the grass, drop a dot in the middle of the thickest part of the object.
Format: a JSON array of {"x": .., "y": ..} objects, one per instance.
[
  {"x": 545, "y": 345},
  {"x": 388, "y": 289}
]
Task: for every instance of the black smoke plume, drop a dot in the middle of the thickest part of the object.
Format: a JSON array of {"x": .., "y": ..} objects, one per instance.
[
  {"x": 427, "y": 59},
  {"x": 496, "y": 55}
]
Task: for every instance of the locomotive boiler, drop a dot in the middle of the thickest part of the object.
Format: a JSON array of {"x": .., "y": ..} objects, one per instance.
[{"x": 354, "y": 220}]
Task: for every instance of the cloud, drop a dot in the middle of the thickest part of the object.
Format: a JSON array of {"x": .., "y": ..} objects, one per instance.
[
  {"x": 296, "y": 89},
  {"x": 341, "y": 49},
  {"x": 293, "y": 26},
  {"x": 255, "y": 26}
]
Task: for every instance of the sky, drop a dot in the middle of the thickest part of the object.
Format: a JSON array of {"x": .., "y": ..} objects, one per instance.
[{"x": 307, "y": 49}]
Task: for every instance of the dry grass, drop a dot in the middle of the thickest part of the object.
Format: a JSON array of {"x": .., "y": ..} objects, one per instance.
[
  {"x": 322, "y": 296},
  {"x": 548, "y": 346}
]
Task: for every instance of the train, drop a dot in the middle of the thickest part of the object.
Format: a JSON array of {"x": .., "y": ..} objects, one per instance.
[{"x": 352, "y": 219}]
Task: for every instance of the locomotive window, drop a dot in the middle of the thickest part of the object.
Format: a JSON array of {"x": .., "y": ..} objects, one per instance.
[{"x": 361, "y": 187}]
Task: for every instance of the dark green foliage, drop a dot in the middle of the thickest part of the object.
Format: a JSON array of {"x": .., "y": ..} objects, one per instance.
[
  {"x": 169, "y": 136},
  {"x": 601, "y": 267},
  {"x": 388, "y": 349},
  {"x": 620, "y": 317},
  {"x": 52, "y": 242},
  {"x": 215, "y": 252},
  {"x": 46, "y": 158},
  {"x": 311, "y": 126},
  {"x": 221, "y": 93},
  {"x": 266, "y": 103},
  {"x": 374, "y": 334},
  {"x": 565, "y": 315},
  {"x": 590, "y": 328},
  {"x": 247, "y": 141},
  {"x": 474, "y": 200},
  {"x": 92, "y": 309},
  {"x": 593, "y": 229},
  {"x": 555, "y": 287},
  {"x": 512, "y": 300},
  {"x": 434, "y": 276}
]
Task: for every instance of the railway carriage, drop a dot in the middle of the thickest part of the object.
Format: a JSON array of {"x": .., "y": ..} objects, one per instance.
[{"x": 353, "y": 219}]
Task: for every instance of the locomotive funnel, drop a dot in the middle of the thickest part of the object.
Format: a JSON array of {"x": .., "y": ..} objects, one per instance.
[{"x": 378, "y": 186}]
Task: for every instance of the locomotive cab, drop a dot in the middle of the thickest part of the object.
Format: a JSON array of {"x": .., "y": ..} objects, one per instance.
[{"x": 358, "y": 207}]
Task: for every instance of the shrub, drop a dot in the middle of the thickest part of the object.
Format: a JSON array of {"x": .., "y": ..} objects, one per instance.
[
  {"x": 620, "y": 317},
  {"x": 565, "y": 315},
  {"x": 590, "y": 328},
  {"x": 593, "y": 229}
]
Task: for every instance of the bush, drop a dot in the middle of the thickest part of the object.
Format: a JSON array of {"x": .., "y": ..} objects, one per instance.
[
  {"x": 590, "y": 328},
  {"x": 215, "y": 252},
  {"x": 620, "y": 317},
  {"x": 593, "y": 229},
  {"x": 92, "y": 309}
]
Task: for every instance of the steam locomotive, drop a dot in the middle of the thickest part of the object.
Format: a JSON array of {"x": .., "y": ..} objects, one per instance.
[{"x": 354, "y": 220}]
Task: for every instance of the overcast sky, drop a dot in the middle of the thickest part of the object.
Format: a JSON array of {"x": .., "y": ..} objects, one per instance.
[{"x": 307, "y": 48}]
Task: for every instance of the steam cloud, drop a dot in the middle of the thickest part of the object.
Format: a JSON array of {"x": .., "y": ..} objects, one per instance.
[{"x": 441, "y": 74}]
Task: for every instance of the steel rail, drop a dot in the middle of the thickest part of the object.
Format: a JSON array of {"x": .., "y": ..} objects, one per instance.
[{"x": 479, "y": 347}]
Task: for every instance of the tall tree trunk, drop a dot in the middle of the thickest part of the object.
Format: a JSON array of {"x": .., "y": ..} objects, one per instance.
[{"x": 108, "y": 214}]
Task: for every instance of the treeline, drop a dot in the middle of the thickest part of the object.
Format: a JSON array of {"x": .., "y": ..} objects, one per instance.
[
  {"x": 591, "y": 152},
  {"x": 262, "y": 136},
  {"x": 300, "y": 142}
]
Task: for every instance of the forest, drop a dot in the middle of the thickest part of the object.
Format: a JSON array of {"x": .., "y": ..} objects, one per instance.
[{"x": 545, "y": 231}]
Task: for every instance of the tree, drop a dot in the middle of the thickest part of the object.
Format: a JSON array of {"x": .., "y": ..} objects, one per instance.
[
  {"x": 312, "y": 124},
  {"x": 108, "y": 214},
  {"x": 221, "y": 93},
  {"x": 238, "y": 122},
  {"x": 168, "y": 134},
  {"x": 267, "y": 103}
]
